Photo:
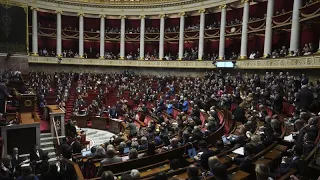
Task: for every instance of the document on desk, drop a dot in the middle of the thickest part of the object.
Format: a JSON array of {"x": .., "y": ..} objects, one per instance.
[
  {"x": 239, "y": 151},
  {"x": 289, "y": 138}
]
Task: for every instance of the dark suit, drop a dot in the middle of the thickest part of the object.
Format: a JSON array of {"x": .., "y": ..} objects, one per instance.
[
  {"x": 34, "y": 158},
  {"x": 305, "y": 98},
  {"x": 3, "y": 96},
  {"x": 204, "y": 158},
  {"x": 286, "y": 167},
  {"x": 76, "y": 147}
]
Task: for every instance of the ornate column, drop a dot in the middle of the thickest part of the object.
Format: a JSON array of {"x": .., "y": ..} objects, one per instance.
[
  {"x": 81, "y": 35},
  {"x": 34, "y": 32},
  {"x": 142, "y": 29},
  {"x": 102, "y": 32},
  {"x": 59, "y": 39},
  {"x": 295, "y": 26},
  {"x": 181, "y": 35},
  {"x": 244, "y": 35},
  {"x": 122, "y": 36},
  {"x": 201, "y": 33},
  {"x": 268, "y": 33},
  {"x": 222, "y": 40},
  {"x": 161, "y": 40}
]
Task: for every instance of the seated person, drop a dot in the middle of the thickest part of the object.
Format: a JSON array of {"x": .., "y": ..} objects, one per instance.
[
  {"x": 193, "y": 173},
  {"x": 206, "y": 153},
  {"x": 290, "y": 163}
]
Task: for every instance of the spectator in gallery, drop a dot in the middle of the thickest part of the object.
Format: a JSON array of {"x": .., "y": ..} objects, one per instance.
[
  {"x": 252, "y": 55},
  {"x": 306, "y": 50},
  {"x": 283, "y": 51}
]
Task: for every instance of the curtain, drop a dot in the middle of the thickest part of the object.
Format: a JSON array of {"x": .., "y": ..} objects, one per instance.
[
  {"x": 132, "y": 47},
  {"x": 258, "y": 10},
  {"x": 133, "y": 23},
  {"x": 153, "y": 23},
  {"x": 192, "y": 20},
  {"x": 213, "y": 47},
  {"x": 287, "y": 5},
  {"x": 151, "y": 46},
  {"x": 171, "y": 22},
  {"x": 113, "y": 23},
  {"x": 172, "y": 48},
  {"x": 307, "y": 36},
  {"x": 91, "y": 23},
  {"x": 46, "y": 42},
  {"x": 212, "y": 17},
  {"x": 70, "y": 21},
  {"x": 46, "y": 19},
  {"x": 72, "y": 44},
  {"x": 190, "y": 45}
]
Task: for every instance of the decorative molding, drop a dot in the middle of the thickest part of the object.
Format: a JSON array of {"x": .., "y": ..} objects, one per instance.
[
  {"x": 244, "y": 1},
  {"x": 122, "y": 17},
  {"x": 58, "y": 11},
  {"x": 81, "y": 14},
  {"x": 201, "y": 10},
  {"x": 303, "y": 62},
  {"x": 182, "y": 14},
  {"x": 124, "y": 63},
  {"x": 142, "y": 16},
  {"x": 102, "y": 15},
  {"x": 223, "y": 6},
  {"x": 162, "y": 16}
]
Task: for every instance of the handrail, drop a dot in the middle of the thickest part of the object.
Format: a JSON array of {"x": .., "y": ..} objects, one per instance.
[
  {"x": 75, "y": 167},
  {"x": 56, "y": 131}
]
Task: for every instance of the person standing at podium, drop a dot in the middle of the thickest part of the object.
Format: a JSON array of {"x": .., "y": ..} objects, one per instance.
[{"x": 4, "y": 95}]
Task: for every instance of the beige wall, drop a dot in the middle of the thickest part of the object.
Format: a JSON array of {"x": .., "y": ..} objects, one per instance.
[{"x": 19, "y": 62}]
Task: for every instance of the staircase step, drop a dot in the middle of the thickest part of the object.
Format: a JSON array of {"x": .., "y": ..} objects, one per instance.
[
  {"x": 46, "y": 144},
  {"x": 48, "y": 149},
  {"x": 45, "y": 135}
]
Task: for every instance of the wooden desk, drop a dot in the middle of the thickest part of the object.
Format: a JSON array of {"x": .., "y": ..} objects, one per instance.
[
  {"x": 99, "y": 122},
  {"x": 273, "y": 154},
  {"x": 154, "y": 171},
  {"x": 262, "y": 161},
  {"x": 115, "y": 125},
  {"x": 182, "y": 176},
  {"x": 239, "y": 175},
  {"x": 81, "y": 121}
]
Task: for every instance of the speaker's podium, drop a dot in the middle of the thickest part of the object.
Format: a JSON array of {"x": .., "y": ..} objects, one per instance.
[
  {"x": 26, "y": 133},
  {"x": 23, "y": 136}
]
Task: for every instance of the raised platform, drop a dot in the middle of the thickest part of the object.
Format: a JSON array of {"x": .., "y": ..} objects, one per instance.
[{"x": 302, "y": 62}]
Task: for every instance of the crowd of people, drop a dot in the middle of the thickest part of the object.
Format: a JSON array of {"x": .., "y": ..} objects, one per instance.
[{"x": 193, "y": 96}]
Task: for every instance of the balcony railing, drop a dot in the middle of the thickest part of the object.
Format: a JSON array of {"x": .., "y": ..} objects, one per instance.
[{"x": 302, "y": 62}]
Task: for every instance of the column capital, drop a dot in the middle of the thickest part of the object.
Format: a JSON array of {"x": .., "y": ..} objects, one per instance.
[
  {"x": 223, "y": 6},
  {"x": 58, "y": 12},
  {"x": 244, "y": 1},
  {"x": 201, "y": 10},
  {"x": 102, "y": 16},
  {"x": 34, "y": 8},
  {"x": 81, "y": 14},
  {"x": 122, "y": 16},
  {"x": 182, "y": 13},
  {"x": 142, "y": 16},
  {"x": 162, "y": 15}
]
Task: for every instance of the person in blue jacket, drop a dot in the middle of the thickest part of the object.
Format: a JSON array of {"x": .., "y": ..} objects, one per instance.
[
  {"x": 170, "y": 108},
  {"x": 185, "y": 105}
]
